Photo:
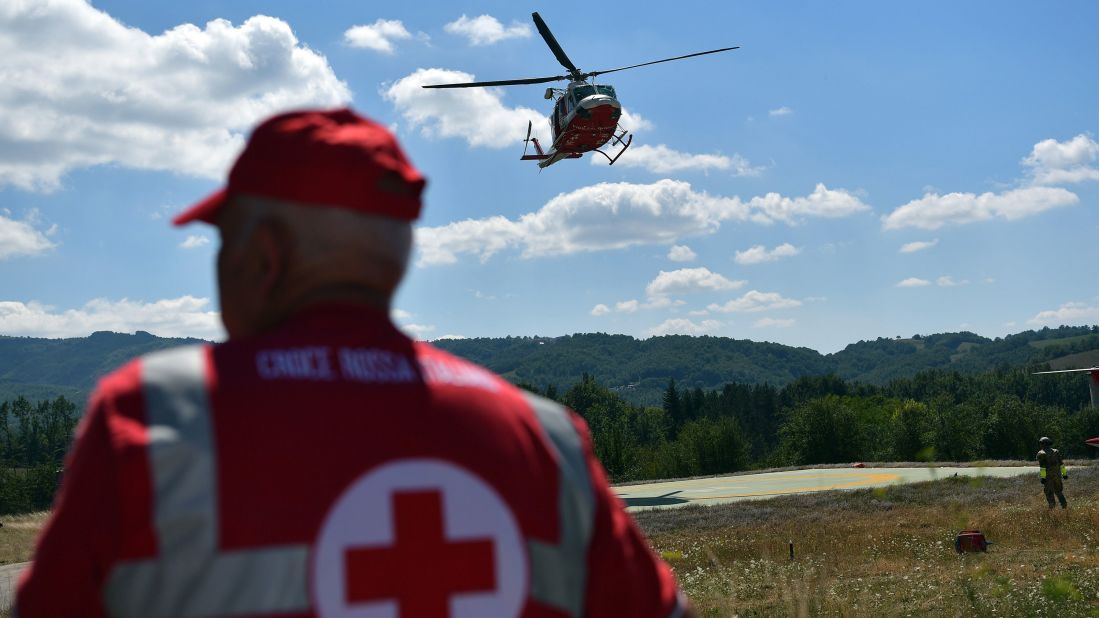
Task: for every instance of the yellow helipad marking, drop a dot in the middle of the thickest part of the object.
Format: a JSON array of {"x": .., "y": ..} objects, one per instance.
[{"x": 869, "y": 479}]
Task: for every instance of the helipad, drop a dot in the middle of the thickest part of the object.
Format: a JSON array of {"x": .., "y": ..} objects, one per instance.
[{"x": 717, "y": 490}]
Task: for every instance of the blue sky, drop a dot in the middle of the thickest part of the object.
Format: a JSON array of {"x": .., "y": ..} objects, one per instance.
[{"x": 856, "y": 170}]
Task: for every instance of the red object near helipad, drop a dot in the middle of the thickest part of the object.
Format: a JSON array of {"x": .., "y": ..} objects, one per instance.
[
  {"x": 1092, "y": 442},
  {"x": 858, "y": 464}
]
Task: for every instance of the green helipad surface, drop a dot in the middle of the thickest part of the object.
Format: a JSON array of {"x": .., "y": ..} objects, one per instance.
[{"x": 718, "y": 490}]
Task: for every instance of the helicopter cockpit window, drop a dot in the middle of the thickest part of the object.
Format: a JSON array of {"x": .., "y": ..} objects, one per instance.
[
  {"x": 607, "y": 90},
  {"x": 580, "y": 93}
]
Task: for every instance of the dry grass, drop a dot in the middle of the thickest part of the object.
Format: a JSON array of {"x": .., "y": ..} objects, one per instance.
[
  {"x": 17, "y": 536},
  {"x": 889, "y": 552}
]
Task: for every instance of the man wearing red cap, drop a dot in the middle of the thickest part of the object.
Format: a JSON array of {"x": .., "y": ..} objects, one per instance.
[{"x": 320, "y": 463}]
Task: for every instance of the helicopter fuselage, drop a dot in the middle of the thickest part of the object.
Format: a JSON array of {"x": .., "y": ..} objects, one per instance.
[{"x": 584, "y": 118}]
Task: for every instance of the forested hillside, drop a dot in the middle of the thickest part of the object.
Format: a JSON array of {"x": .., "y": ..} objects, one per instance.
[{"x": 637, "y": 369}]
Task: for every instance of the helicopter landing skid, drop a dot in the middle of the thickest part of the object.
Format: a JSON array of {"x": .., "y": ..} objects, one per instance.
[{"x": 617, "y": 139}]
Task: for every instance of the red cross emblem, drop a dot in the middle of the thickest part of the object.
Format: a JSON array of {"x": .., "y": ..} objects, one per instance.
[
  {"x": 422, "y": 570},
  {"x": 419, "y": 537}
]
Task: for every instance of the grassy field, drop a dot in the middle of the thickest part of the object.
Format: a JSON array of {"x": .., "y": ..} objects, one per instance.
[
  {"x": 889, "y": 552},
  {"x": 17, "y": 536},
  {"x": 880, "y": 552}
]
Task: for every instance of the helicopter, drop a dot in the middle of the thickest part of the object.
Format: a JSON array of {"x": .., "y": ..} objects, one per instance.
[{"x": 585, "y": 114}]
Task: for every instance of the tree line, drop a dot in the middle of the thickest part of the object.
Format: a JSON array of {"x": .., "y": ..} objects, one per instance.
[
  {"x": 937, "y": 415},
  {"x": 34, "y": 439}
]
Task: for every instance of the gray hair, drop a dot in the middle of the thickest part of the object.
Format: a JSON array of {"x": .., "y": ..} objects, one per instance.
[{"x": 323, "y": 235}]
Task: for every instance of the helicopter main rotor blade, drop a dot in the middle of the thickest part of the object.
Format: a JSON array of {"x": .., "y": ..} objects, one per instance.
[
  {"x": 554, "y": 46},
  {"x": 503, "y": 82},
  {"x": 645, "y": 64}
]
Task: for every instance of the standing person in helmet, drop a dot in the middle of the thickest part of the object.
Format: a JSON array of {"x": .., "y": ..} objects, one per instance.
[{"x": 1052, "y": 471}]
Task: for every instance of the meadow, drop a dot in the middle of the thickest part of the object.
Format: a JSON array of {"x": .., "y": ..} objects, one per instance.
[
  {"x": 874, "y": 552},
  {"x": 890, "y": 551}
]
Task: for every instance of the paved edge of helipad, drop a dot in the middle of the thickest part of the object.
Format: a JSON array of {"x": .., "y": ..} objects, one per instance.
[
  {"x": 733, "y": 488},
  {"x": 9, "y": 577}
]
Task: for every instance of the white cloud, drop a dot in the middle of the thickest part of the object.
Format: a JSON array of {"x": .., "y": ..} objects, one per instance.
[
  {"x": 403, "y": 320},
  {"x": 681, "y": 253},
  {"x": 946, "y": 281},
  {"x": 486, "y": 29},
  {"x": 774, "y": 323},
  {"x": 445, "y": 337},
  {"x": 1067, "y": 313},
  {"x": 619, "y": 215},
  {"x": 913, "y": 282},
  {"x": 782, "y": 111},
  {"x": 186, "y": 316},
  {"x": 600, "y": 309},
  {"x": 759, "y": 254},
  {"x": 378, "y": 36},
  {"x": 683, "y": 326},
  {"x": 918, "y": 245},
  {"x": 755, "y": 301},
  {"x": 688, "y": 280},
  {"x": 933, "y": 211},
  {"x": 476, "y": 115},
  {"x": 627, "y": 306},
  {"x": 417, "y": 331},
  {"x": 660, "y": 159},
  {"x": 194, "y": 241},
  {"x": 82, "y": 89},
  {"x": 22, "y": 238},
  {"x": 1053, "y": 162}
]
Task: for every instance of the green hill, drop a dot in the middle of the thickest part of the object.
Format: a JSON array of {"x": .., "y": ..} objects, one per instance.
[
  {"x": 46, "y": 368},
  {"x": 638, "y": 369}
]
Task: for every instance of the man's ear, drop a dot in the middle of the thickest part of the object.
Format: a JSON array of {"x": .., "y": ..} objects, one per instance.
[{"x": 272, "y": 242}]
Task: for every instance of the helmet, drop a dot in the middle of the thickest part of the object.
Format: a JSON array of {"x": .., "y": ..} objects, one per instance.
[{"x": 1044, "y": 441}]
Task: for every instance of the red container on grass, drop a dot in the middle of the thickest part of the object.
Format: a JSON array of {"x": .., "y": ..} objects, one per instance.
[{"x": 970, "y": 540}]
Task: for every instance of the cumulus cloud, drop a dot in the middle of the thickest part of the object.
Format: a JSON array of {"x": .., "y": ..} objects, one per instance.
[
  {"x": 1053, "y": 162},
  {"x": 774, "y": 323},
  {"x": 946, "y": 281},
  {"x": 683, "y": 326},
  {"x": 634, "y": 305},
  {"x": 476, "y": 115},
  {"x": 755, "y": 301},
  {"x": 22, "y": 237},
  {"x": 782, "y": 111},
  {"x": 81, "y": 89},
  {"x": 681, "y": 253},
  {"x": 417, "y": 331},
  {"x": 688, "y": 280},
  {"x": 913, "y": 282},
  {"x": 918, "y": 245},
  {"x": 933, "y": 211},
  {"x": 759, "y": 254},
  {"x": 194, "y": 241},
  {"x": 660, "y": 159},
  {"x": 1068, "y": 313},
  {"x": 486, "y": 29},
  {"x": 378, "y": 36},
  {"x": 186, "y": 316},
  {"x": 403, "y": 320},
  {"x": 619, "y": 215}
]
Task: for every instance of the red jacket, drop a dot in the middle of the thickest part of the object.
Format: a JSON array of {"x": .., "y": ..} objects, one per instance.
[{"x": 329, "y": 465}]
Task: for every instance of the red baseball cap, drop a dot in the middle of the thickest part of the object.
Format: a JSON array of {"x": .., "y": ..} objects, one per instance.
[{"x": 334, "y": 158}]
